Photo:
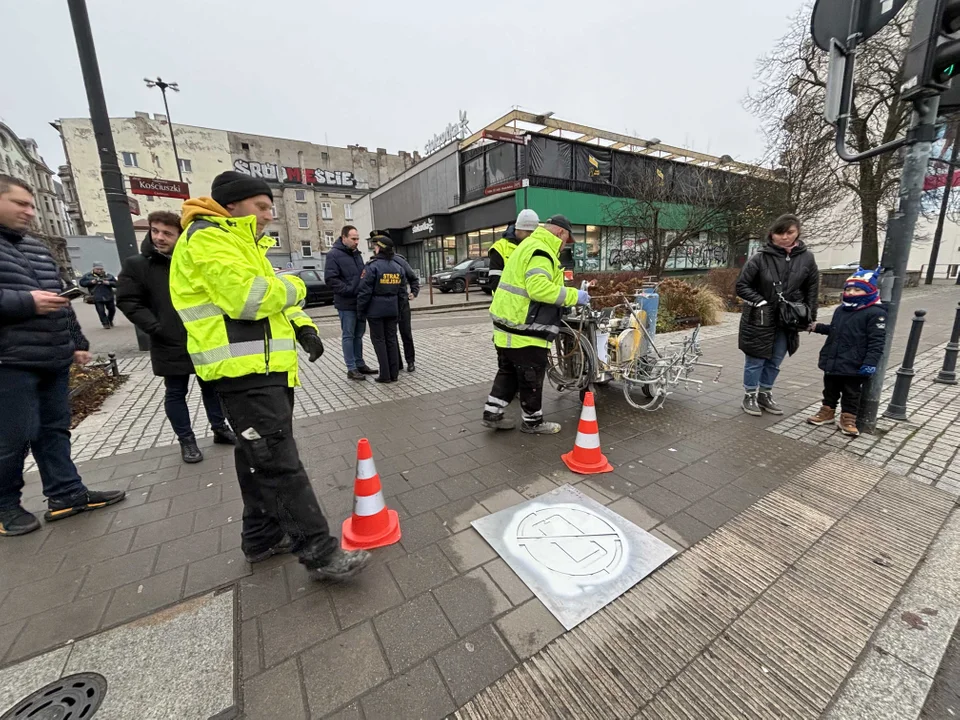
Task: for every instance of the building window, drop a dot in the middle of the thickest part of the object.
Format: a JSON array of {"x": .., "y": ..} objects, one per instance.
[
  {"x": 324, "y": 157},
  {"x": 347, "y": 197},
  {"x": 276, "y": 238},
  {"x": 328, "y": 239},
  {"x": 300, "y": 195},
  {"x": 347, "y": 211},
  {"x": 326, "y": 211},
  {"x": 303, "y": 221},
  {"x": 373, "y": 162},
  {"x": 306, "y": 249},
  {"x": 273, "y": 211},
  {"x": 129, "y": 159},
  {"x": 186, "y": 165},
  {"x": 244, "y": 146}
]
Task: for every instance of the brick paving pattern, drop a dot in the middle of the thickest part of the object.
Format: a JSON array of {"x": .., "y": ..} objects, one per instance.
[{"x": 437, "y": 617}]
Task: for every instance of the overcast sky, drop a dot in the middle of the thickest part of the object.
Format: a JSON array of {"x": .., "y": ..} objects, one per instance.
[{"x": 389, "y": 73}]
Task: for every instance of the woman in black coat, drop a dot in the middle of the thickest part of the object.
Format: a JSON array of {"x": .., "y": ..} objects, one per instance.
[
  {"x": 783, "y": 266},
  {"x": 378, "y": 302}
]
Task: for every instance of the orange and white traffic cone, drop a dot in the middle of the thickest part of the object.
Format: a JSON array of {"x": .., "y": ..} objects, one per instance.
[
  {"x": 372, "y": 524},
  {"x": 586, "y": 458}
]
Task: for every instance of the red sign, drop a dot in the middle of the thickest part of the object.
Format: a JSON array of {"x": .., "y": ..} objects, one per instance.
[
  {"x": 159, "y": 188},
  {"x": 504, "y": 137},
  {"x": 503, "y": 187},
  {"x": 134, "y": 205}
]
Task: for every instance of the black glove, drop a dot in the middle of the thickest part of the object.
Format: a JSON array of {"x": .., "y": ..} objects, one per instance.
[{"x": 310, "y": 341}]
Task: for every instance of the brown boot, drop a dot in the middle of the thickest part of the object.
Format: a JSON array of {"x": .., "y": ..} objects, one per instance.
[
  {"x": 824, "y": 416},
  {"x": 848, "y": 424}
]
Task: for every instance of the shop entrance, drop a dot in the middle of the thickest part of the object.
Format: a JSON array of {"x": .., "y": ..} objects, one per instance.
[{"x": 434, "y": 262}]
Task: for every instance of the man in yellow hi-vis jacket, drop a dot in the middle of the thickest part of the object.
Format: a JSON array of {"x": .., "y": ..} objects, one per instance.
[
  {"x": 526, "y": 311},
  {"x": 243, "y": 322}
]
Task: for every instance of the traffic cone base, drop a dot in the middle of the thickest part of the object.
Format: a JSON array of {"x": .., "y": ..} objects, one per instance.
[
  {"x": 388, "y": 536},
  {"x": 586, "y": 457},
  {"x": 372, "y": 524}
]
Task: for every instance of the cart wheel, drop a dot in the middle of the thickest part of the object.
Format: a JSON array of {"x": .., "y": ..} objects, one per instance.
[{"x": 647, "y": 391}]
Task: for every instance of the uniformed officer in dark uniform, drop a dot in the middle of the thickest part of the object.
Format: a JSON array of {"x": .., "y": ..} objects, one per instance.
[
  {"x": 378, "y": 301},
  {"x": 411, "y": 289}
]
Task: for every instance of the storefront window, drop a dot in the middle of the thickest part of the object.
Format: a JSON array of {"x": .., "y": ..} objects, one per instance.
[
  {"x": 471, "y": 246},
  {"x": 593, "y": 247},
  {"x": 433, "y": 243},
  {"x": 450, "y": 243},
  {"x": 487, "y": 238}
]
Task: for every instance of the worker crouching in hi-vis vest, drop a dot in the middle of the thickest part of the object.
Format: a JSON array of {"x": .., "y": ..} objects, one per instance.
[
  {"x": 502, "y": 249},
  {"x": 243, "y": 323},
  {"x": 526, "y": 312}
]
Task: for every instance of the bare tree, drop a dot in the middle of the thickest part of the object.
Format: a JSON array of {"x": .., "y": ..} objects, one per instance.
[
  {"x": 790, "y": 102},
  {"x": 671, "y": 206}
]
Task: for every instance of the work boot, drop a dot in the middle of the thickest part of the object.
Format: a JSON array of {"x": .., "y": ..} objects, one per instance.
[
  {"x": 848, "y": 424},
  {"x": 824, "y": 416},
  {"x": 749, "y": 404},
  {"x": 85, "y": 502},
  {"x": 190, "y": 452},
  {"x": 498, "y": 422},
  {"x": 356, "y": 375},
  {"x": 224, "y": 436},
  {"x": 284, "y": 546},
  {"x": 365, "y": 370},
  {"x": 411, "y": 367},
  {"x": 341, "y": 564},
  {"x": 766, "y": 403},
  {"x": 541, "y": 428},
  {"x": 17, "y": 521}
]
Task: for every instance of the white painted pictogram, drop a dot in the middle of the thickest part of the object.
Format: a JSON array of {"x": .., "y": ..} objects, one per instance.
[{"x": 572, "y": 541}]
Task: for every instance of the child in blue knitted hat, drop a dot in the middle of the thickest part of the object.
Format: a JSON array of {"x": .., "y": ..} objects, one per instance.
[{"x": 855, "y": 340}]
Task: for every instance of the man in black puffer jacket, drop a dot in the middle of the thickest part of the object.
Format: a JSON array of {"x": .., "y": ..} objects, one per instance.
[
  {"x": 143, "y": 295},
  {"x": 784, "y": 262},
  {"x": 39, "y": 340}
]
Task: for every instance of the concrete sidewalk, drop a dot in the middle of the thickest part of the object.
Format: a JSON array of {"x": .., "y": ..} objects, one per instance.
[{"x": 793, "y": 553}]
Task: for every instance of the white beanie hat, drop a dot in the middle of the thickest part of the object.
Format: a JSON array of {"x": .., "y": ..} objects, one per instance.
[{"x": 527, "y": 220}]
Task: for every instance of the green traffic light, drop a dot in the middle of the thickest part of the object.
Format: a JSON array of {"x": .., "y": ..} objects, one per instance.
[{"x": 949, "y": 71}]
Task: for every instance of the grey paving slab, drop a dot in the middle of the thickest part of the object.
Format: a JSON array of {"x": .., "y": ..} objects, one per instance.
[
  {"x": 413, "y": 631},
  {"x": 188, "y": 647},
  {"x": 296, "y": 626},
  {"x": 419, "y": 693},
  {"x": 18, "y": 681},
  {"x": 474, "y": 662},
  {"x": 275, "y": 693},
  {"x": 884, "y": 688},
  {"x": 575, "y": 554},
  {"x": 60, "y": 625},
  {"x": 144, "y": 596},
  {"x": 421, "y": 570},
  {"x": 529, "y": 628},
  {"x": 369, "y": 594},
  {"x": 343, "y": 668}
]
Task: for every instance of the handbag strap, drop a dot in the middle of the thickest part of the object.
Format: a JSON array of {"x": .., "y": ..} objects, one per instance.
[{"x": 777, "y": 283}]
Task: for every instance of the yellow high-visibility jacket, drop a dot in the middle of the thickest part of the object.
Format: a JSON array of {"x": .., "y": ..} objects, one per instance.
[
  {"x": 240, "y": 316},
  {"x": 528, "y": 303}
]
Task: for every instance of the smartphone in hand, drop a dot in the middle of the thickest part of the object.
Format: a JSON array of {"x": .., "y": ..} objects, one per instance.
[{"x": 72, "y": 294}]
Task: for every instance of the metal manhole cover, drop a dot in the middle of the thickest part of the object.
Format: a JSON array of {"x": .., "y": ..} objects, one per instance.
[
  {"x": 572, "y": 541},
  {"x": 74, "y": 697}
]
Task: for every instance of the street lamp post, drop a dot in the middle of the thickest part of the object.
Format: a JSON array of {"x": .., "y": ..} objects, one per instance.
[{"x": 163, "y": 91}]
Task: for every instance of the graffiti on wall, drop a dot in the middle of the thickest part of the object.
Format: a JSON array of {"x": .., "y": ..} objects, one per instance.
[{"x": 271, "y": 172}]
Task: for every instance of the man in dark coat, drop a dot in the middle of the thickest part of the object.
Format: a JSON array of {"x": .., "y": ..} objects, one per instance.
[
  {"x": 411, "y": 289},
  {"x": 100, "y": 283},
  {"x": 784, "y": 266},
  {"x": 342, "y": 271},
  {"x": 143, "y": 295},
  {"x": 39, "y": 340}
]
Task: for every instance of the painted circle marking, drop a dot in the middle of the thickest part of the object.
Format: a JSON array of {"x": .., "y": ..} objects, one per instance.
[{"x": 573, "y": 541}]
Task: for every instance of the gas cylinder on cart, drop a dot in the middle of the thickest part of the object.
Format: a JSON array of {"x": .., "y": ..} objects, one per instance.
[{"x": 649, "y": 302}]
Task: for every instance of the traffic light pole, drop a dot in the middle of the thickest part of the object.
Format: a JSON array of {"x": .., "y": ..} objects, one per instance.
[{"x": 899, "y": 237}]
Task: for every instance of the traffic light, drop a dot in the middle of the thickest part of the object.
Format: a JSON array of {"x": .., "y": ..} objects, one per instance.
[{"x": 933, "y": 55}]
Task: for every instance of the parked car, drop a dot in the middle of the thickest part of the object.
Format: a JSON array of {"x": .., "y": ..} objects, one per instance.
[
  {"x": 455, "y": 278},
  {"x": 483, "y": 278},
  {"x": 318, "y": 292}
]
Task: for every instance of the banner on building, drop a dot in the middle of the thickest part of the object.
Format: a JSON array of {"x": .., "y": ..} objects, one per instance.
[
  {"x": 550, "y": 158},
  {"x": 271, "y": 172},
  {"x": 593, "y": 164}
]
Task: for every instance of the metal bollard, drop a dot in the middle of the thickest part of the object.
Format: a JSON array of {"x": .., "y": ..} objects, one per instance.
[
  {"x": 948, "y": 374},
  {"x": 897, "y": 409},
  {"x": 114, "y": 369}
]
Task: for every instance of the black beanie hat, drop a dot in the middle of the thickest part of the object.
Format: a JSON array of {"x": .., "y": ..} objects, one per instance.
[{"x": 232, "y": 186}]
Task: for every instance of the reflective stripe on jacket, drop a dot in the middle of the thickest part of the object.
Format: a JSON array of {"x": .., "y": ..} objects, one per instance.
[
  {"x": 528, "y": 303},
  {"x": 239, "y": 315}
]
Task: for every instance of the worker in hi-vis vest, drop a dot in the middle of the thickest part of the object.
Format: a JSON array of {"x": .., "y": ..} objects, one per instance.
[
  {"x": 526, "y": 312},
  {"x": 243, "y": 324}
]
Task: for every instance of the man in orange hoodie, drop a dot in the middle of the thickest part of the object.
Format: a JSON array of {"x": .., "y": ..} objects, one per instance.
[{"x": 243, "y": 324}]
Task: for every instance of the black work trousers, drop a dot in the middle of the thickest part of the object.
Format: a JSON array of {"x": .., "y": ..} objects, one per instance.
[
  {"x": 406, "y": 332},
  {"x": 520, "y": 370},
  {"x": 383, "y": 335},
  {"x": 277, "y": 497},
  {"x": 844, "y": 389},
  {"x": 107, "y": 310}
]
